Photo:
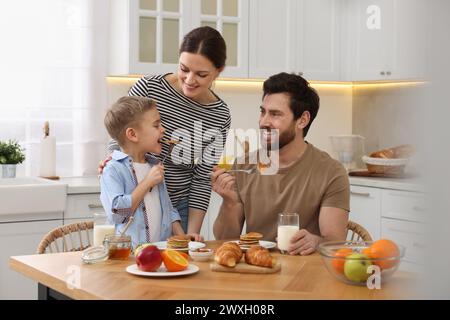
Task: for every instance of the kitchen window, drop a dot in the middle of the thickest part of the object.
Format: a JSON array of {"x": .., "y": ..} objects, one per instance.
[{"x": 52, "y": 69}]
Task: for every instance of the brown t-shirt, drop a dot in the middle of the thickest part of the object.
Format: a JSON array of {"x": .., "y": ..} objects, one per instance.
[{"x": 315, "y": 180}]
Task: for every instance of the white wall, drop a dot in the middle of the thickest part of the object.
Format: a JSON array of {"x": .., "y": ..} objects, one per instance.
[{"x": 390, "y": 115}]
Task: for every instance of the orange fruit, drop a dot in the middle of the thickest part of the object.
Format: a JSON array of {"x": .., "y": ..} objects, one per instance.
[
  {"x": 174, "y": 260},
  {"x": 339, "y": 259},
  {"x": 184, "y": 254},
  {"x": 366, "y": 252},
  {"x": 383, "y": 249}
]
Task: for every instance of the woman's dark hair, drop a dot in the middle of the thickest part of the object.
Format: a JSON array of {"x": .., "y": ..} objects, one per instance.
[
  {"x": 208, "y": 42},
  {"x": 303, "y": 97}
]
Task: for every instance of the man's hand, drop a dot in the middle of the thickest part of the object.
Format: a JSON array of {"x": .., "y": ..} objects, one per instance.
[
  {"x": 303, "y": 242},
  {"x": 102, "y": 164},
  {"x": 155, "y": 175},
  {"x": 224, "y": 184}
]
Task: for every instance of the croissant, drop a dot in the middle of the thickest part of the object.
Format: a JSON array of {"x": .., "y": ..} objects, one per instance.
[
  {"x": 228, "y": 254},
  {"x": 403, "y": 151},
  {"x": 260, "y": 256}
]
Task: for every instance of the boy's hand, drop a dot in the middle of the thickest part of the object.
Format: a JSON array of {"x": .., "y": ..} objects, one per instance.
[
  {"x": 102, "y": 164},
  {"x": 196, "y": 237},
  {"x": 155, "y": 175}
]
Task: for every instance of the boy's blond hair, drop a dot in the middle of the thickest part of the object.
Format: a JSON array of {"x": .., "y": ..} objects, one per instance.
[{"x": 125, "y": 113}]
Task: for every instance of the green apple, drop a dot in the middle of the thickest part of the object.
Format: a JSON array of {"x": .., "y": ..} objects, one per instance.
[{"x": 355, "y": 267}]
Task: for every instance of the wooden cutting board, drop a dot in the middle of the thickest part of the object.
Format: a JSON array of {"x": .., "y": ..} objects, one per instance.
[
  {"x": 243, "y": 267},
  {"x": 366, "y": 173}
]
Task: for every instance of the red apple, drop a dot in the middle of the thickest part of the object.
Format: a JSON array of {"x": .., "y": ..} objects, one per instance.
[{"x": 149, "y": 259}]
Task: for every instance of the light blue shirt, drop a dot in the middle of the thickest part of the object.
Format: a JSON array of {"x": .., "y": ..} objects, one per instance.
[{"x": 117, "y": 182}]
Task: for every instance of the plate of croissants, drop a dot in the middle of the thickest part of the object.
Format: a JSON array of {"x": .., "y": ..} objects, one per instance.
[{"x": 257, "y": 259}]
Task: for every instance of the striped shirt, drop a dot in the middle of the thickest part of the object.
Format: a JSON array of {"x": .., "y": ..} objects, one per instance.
[{"x": 203, "y": 129}]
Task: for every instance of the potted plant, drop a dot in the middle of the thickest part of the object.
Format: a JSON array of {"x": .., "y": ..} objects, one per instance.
[{"x": 11, "y": 154}]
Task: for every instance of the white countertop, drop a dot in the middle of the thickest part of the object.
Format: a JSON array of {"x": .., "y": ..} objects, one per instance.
[
  {"x": 406, "y": 184},
  {"x": 86, "y": 184},
  {"x": 91, "y": 184}
]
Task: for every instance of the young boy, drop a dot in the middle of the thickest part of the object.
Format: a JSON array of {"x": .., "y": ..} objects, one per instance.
[{"x": 133, "y": 181}]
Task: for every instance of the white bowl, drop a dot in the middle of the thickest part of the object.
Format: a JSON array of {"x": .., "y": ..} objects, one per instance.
[{"x": 202, "y": 255}]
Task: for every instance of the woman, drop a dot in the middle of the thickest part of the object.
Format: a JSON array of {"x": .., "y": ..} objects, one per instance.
[{"x": 187, "y": 104}]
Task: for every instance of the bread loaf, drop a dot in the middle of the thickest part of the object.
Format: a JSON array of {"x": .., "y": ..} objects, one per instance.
[{"x": 400, "y": 152}]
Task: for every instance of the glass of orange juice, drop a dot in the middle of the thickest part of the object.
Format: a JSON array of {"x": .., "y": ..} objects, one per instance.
[{"x": 226, "y": 162}]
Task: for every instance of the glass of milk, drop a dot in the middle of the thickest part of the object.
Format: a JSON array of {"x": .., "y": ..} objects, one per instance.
[
  {"x": 288, "y": 224},
  {"x": 102, "y": 228}
]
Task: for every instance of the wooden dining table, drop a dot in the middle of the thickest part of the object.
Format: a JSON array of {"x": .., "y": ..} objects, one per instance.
[{"x": 64, "y": 275}]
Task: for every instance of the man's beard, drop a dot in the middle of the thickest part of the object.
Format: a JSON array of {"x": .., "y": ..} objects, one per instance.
[{"x": 285, "y": 138}]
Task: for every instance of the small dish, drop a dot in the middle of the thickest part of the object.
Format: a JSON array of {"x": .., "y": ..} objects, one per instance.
[
  {"x": 94, "y": 254},
  {"x": 201, "y": 254}
]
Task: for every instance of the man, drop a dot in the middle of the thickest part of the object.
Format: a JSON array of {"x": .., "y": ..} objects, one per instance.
[{"x": 308, "y": 180}]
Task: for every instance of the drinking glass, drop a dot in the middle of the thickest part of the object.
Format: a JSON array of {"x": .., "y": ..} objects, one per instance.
[
  {"x": 288, "y": 224},
  {"x": 101, "y": 228}
]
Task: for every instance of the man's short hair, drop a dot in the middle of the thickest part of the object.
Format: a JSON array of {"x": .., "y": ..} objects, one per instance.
[
  {"x": 125, "y": 113},
  {"x": 302, "y": 96}
]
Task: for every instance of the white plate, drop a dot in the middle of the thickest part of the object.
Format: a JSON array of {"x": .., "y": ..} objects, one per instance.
[
  {"x": 162, "y": 271},
  {"x": 262, "y": 243},
  {"x": 193, "y": 245}
]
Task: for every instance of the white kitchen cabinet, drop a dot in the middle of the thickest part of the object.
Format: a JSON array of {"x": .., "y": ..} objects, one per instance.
[
  {"x": 230, "y": 18},
  {"x": 404, "y": 205},
  {"x": 146, "y": 34},
  {"x": 397, "y": 215},
  {"x": 404, "y": 216},
  {"x": 81, "y": 207},
  {"x": 365, "y": 209},
  {"x": 295, "y": 36},
  {"x": 271, "y": 38},
  {"x": 20, "y": 238},
  {"x": 411, "y": 236},
  {"x": 409, "y": 52},
  {"x": 385, "y": 39}
]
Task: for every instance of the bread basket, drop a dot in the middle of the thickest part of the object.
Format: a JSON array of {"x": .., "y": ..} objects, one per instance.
[{"x": 385, "y": 166}]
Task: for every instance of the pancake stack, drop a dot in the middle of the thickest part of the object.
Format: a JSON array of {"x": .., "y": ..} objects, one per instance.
[
  {"x": 178, "y": 242},
  {"x": 249, "y": 239}
]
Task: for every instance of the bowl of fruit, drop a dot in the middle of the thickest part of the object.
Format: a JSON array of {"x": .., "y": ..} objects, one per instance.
[{"x": 357, "y": 262}]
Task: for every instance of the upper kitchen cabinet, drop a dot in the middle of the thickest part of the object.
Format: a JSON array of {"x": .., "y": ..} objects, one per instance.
[
  {"x": 299, "y": 36},
  {"x": 230, "y": 18},
  {"x": 146, "y": 34},
  {"x": 385, "y": 39}
]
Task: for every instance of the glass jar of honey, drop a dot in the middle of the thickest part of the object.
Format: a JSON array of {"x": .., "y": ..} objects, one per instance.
[{"x": 119, "y": 247}]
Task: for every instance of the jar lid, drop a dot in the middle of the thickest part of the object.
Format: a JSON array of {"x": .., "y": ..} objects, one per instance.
[{"x": 94, "y": 254}]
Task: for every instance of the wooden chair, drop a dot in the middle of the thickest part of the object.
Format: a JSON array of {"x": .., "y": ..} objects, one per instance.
[
  {"x": 356, "y": 232},
  {"x": 70, "y": 237}
]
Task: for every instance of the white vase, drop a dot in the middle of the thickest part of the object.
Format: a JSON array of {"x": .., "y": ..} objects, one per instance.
[{"x": 8, "y": 170}]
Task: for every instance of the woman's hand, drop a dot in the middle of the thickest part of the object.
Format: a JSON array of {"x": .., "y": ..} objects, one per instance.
[
  {"x": 196, "y": 237},
  {"x": 303, "y": 242},
  {"x": 155, "y": 175},
  {"x": 102, "y": 164}
]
